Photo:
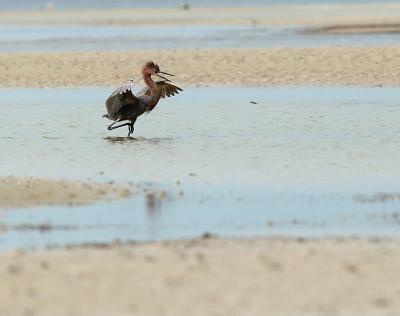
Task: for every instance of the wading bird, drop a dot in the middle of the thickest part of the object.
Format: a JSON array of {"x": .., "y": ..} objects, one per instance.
[{"x": 123, "y": 105}]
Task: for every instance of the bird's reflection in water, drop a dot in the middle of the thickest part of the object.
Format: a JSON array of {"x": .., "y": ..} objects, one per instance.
[
  {"x": 118, "y": 140},
  {"x": 154, "y": 201},
  {"x": 115, "y": 139}
]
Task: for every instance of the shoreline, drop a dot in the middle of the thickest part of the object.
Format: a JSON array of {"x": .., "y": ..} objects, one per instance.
[
  {"x": 366, "y": 28},
  {"x": 348, "y": 66}
]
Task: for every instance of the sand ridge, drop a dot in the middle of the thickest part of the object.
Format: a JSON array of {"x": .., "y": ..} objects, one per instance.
[
  {"x": 264, "y": 15},
  {"x": 370, "y": 66},
  {"x": 30, "y": 192}
]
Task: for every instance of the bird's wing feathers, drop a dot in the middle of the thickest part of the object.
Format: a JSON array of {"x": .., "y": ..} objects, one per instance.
[
  {"x": 125, "y": 87},
  {"x": 166, "y": 89},
  {"x": 121, "y": 97}
]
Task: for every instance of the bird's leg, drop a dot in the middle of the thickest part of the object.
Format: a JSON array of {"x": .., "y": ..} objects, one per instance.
[
  {"x": 131, "y": 128},
  {"x": 111, "y": 127}
]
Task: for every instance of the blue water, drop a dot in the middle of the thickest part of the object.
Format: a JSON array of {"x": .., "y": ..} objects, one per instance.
[
  {"x": 290, "y": 165},
  {"x": 239, "y": 212},
  {"x": 105, "y": 4},
  {"x": 19, "y": 38},
  {"x": 36, "y": 35}
]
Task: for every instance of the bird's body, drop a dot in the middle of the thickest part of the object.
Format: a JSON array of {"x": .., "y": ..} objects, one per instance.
[{"x": 123, "y": 105}]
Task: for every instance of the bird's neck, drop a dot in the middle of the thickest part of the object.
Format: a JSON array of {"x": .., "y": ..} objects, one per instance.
[
  {"x": 155, "y": 93},
  {"x": 149, "y": 81}
]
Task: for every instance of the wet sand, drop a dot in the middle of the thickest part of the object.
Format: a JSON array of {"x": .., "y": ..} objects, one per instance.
[
  {"x": 206, "y": 277},
  {"x": 360, "y": 28},
  {"x": 266, "y": 15},
  {"x": 31, "y": 192},
  {"x": 370, "y": 66}
]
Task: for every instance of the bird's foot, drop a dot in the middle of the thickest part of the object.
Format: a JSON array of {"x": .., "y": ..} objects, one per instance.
[
  {"x": 110, "y": 127},
  {"x": 131, "y": 129}
]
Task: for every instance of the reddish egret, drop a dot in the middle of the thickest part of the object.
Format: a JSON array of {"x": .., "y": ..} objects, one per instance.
[{"x": 123, "y": 105}]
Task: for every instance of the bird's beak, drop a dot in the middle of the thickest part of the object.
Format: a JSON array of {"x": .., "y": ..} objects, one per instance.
[
  {"x": 165, "y": 73},
  {"x": 166, "y": 79}
]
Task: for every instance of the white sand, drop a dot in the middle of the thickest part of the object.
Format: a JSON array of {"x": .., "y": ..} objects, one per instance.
[
  {"x": 295, "y": 66},
  {"x": 206, "y": 277}
]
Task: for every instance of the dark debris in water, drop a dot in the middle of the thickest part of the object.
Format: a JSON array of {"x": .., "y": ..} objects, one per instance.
[
  {"x": 208, "y": 235},
  {"x": 51, "y": 137},
  {"x": 44, "y": 227},
  {"x": 296, "y": 222},
  {"x": 94, "y": 245},
  {"x": 377, "y": 198},
  {"x": 390, "y": 218}
]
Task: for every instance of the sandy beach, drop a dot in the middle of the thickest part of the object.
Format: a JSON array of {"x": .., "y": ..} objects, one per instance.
[
  {"x": 303, "y": 15},
  {"x": 207, "y": 276},
  {"x": 372, "y": 66},
  {"x": 31, "y": 192}
]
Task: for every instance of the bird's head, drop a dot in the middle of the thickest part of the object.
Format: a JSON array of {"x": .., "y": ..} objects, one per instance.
[{"x": 150, "y": 68}]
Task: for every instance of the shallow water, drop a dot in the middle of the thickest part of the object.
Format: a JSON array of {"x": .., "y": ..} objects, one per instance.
[
  {"x": 292, "y": 135},
  {"x": 29, "y": 38},
  {"x": 291, "y": 164},
  {"x": 239, "y": 212},
  {"x": 108, "y": 4}
]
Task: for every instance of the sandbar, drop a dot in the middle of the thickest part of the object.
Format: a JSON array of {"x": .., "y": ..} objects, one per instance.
[
  {"x": 208, "y": 276},
  {"x": 31, "y": 192}
]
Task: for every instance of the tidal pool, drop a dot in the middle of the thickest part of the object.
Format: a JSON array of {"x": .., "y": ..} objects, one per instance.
[
  {"x": 60, "y": 38},
  {"x": 233, "y": 161}
]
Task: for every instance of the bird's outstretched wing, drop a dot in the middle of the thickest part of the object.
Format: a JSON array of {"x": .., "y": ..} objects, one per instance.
[
  {"x": 121, "y": 97},
  {"x": 166, "y": 90}
]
